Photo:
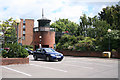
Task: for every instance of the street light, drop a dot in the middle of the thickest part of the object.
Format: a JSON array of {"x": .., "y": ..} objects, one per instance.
[
  {"x": 109, "y": 30},
  {"x": 17, "y": 21}
]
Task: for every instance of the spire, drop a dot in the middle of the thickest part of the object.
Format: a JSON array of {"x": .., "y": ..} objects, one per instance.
[{"x": 42, "y": 13}]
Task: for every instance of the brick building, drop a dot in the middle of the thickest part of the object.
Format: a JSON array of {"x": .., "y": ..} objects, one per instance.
[
  {"x": 25, "y": 31},
  {"x": 42, "y": 35}
]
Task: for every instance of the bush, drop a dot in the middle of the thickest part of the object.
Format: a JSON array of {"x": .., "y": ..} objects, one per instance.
[
  {"x": 79, "y": 43},
  {"x": 85, "y": 44},
  {"x": 71, "y": 48},
  {"x": 4, "y": 53},
  {"x": 16, "y": 51}
]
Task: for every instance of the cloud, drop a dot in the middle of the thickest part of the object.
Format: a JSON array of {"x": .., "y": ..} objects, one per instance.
[{"x": 32, "y": 9}]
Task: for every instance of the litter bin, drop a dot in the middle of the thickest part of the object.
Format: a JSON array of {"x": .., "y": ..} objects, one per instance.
[{"x": 106, "y": 54}]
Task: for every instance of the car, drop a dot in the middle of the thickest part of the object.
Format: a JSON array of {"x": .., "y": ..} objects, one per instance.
[
  {"x": 47, "y": 54},
  {"x": 29, "y": 51}
]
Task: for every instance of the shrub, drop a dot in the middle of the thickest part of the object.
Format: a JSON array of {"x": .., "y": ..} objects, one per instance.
[
  {"x": 71, "y": 47},
  {"x": 86, "y": 44},
  {"x": 58, "y": 46},
  {"x": 79, "y": 43},
  {"x": 16, "y": 51},
  {"x": 4, "y": 53}
]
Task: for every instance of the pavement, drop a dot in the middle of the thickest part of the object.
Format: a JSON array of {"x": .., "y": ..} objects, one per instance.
[{"x": 69, "y": 67}]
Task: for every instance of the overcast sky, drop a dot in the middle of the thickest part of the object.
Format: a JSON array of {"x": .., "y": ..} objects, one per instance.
[{"x": 53, "y": 9}]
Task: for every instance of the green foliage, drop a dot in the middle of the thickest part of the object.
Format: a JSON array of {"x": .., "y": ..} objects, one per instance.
[
  {"x": 114, "y": 36},
  {"x": 92, "y": 27},
  {"x": 4, "y": 53},
  {"x": 16, "y": 51},
  {"x": 87, "y": 44},
  {"x": 63, "y": 25},
  {"x": 111, "y": 15},
  {"x": 76, "y": 43},
  {"x": 8, "y": 29},
  {"x": 10, "y": 35}
]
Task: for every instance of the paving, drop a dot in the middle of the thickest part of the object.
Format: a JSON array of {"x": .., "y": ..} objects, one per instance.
[{"x": 69, "y": 67}]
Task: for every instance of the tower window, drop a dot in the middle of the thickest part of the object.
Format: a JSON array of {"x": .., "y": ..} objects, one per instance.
[
  {"x": 24, "y": 22},
  {"x": 23, "y": 32},
  {"x": 23, "y": 36}
]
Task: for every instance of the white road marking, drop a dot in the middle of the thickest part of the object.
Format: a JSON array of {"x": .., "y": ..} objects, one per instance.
[
  {"x": 16, "y": 71},
  {"x": 49, "y": 68}
]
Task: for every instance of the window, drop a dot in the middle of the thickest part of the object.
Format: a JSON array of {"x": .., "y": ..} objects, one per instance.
[
  {"x": 49, "y": 50},
  {"x": 24, "y": 22},
  {"x": 23, "y": 32},
  {"x": 38, "y": 50},
  {"x": 23, "y": 26},
  {"x": 23, "y": 37},
  {"x": 36, "y": 29}
]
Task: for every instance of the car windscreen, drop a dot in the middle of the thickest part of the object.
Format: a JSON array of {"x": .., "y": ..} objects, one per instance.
[{"x": 49, "y": 50}]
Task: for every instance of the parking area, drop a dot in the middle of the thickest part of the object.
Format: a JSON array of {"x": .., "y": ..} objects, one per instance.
[{"x": 69, "y": 67}]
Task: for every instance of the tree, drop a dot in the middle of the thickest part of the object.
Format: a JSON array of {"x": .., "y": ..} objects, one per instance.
[
  {"x": 100, "y": 28},
  {"x": 8, "y": 29},
  {"x": 10, "y": 35},
  {"x": 63, "y": 25},
  {"x": 114, "y": 36},
  {"x": 112, "y": 16},
  {"x": 82, "y": 29},
  {"x": 92, "y": 27}
]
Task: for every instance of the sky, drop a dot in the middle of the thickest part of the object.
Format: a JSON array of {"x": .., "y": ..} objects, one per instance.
[{"x": 53, "y": 9}]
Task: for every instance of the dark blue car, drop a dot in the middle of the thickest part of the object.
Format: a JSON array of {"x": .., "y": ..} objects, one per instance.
[{"x": 48, "y": 54}]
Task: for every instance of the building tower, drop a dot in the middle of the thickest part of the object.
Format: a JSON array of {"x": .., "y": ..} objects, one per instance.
[
  {"x": 43, "y": 37},
  {"x": 44, "y": 23}
]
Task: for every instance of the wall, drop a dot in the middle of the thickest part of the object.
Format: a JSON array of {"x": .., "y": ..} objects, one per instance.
[
  {"x": 86, "y": 53},
  {"x": 9, "y": 61},
  {"x": 47, "y": 38}
]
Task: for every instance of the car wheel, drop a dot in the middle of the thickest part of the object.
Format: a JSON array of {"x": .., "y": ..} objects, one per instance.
[
  {"x": 47, "y": 58},
  {"x": 35, "y": 57}
]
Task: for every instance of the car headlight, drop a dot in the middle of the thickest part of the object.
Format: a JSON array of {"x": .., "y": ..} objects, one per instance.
[
  {"x": 61, "y": 54},
  {"x": 52, "y": 54}
]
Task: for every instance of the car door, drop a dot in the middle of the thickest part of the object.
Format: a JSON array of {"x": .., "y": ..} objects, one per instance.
[
  {"x": 38, "y": 53},
  {"x": 43, "y": 53}
]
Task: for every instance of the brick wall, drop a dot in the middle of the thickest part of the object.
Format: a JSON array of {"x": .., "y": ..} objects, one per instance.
[
  {"x": 9, "y": 61},
  {"x": 47, "y": 38},
  {"x": 29, "y": 24},
  {"x": 86, "y": 53}
]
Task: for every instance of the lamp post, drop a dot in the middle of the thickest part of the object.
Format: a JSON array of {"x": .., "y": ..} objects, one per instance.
[
  {"x": 109, "y": 30},
  {"x": 17, "y": 21}
]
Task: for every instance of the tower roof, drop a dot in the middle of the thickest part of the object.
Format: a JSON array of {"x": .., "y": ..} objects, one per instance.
[{"x": 43, "y": 18}]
